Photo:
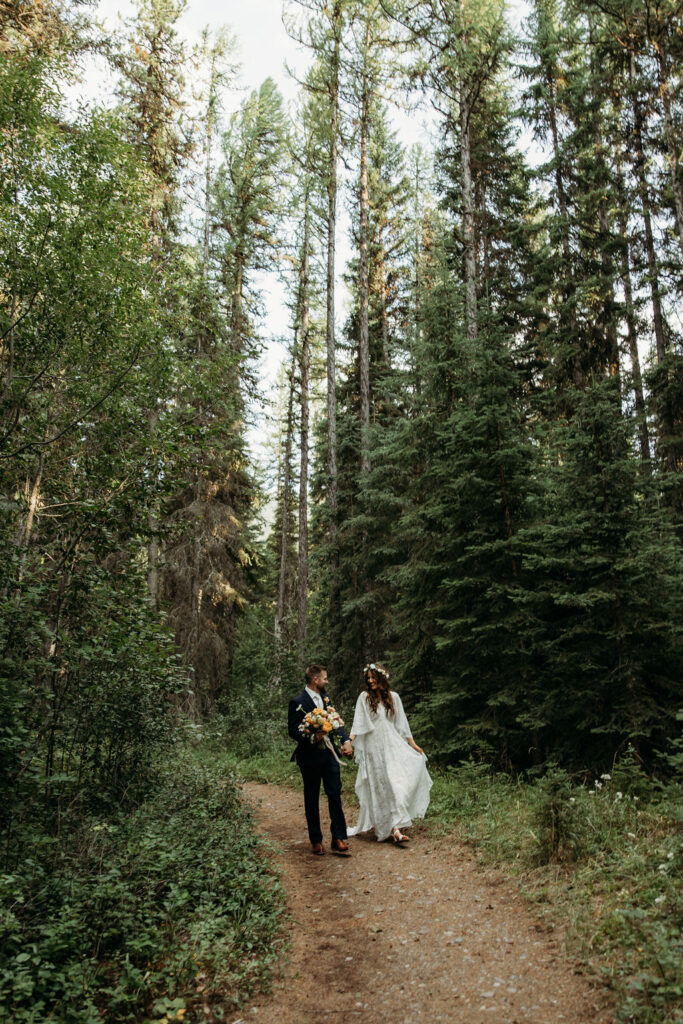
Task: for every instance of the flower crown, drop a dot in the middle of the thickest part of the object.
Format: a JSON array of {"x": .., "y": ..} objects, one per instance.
[{"x": 376, "y": 668}]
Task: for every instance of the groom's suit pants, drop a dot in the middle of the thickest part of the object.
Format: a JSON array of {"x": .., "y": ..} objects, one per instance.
[{"x": 325, "y": 770}]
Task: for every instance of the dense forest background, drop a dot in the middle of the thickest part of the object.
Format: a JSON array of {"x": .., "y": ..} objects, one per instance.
[{"x": 478, "y": 472}]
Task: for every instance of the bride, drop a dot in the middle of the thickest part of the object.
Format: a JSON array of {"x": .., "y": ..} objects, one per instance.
[{"x": 393, "y": 782}]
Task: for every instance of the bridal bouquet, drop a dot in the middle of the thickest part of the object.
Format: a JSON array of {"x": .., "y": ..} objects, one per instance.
[
  {"x": 321, "y": 721},
  {"x": 324, "y": 720}
]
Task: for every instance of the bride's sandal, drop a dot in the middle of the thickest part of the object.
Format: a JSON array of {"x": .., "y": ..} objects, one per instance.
[{"x": 398, "y": 837}]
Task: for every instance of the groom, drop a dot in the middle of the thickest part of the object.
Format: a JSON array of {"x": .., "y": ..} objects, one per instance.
[{"x": 317, "y": 764}]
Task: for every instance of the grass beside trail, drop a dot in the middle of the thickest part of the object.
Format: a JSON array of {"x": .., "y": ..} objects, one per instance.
[{"x": 603, "y": 859}]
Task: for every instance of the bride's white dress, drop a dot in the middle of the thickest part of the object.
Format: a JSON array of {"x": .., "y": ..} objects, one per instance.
[{"x": 393, "y": 783}]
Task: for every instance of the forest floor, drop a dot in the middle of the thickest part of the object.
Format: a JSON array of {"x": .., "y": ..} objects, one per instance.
[{"x": 419, "y": 932}]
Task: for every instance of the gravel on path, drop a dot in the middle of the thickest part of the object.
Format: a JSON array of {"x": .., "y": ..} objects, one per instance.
[{"x": 405, "y": 934}]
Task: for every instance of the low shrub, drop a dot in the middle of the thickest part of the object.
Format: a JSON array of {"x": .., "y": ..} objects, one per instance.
[
  {"x": 168, "y": 908},
  {"x": 558, "y": 818}
]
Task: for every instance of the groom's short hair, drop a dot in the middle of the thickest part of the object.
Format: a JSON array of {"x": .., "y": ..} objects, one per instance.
[{"x": 313, "y": 671}]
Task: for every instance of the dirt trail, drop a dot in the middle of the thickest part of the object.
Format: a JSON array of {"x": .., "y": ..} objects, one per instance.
[{"x": 412, "y": 933}]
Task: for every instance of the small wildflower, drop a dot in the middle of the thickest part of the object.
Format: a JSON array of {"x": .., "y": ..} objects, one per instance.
[
  {"x": 635, "y": 799},
  {"x": 591, "y": 792},
  {"x": 662, "y": 867},
  {"x": 606, "y": 776},
  {"x": 598, "y": 785},
  {"x": 619, "y": 796},
  {"x": 670, "y": 856},
  {"x": 572, "y": 800},
  {"x": 660, "y": 899},
  {"x": 631, "y": 835}
]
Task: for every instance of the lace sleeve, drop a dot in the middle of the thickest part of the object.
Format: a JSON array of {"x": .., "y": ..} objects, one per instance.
[
  {"x": 400, "y": 720},
  {"x": 362, "y": 719}
]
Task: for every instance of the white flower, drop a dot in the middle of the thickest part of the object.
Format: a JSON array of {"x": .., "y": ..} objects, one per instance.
[
  {"x": 606, "y": 776},
  {"x": 660, "y": 899},
  {"x": 670, "y": 856},
  {"x": 631, "y": 835},
  {"x": 662, "y": 867},
  {"x": 636, "y": 799},
  {"x": 591, "y": 792},
  {"x": 299, "y": 708},
  {"x": 572, "y": 800},
  {"x": 619, "y": 796},
  {"x": 598, "y": 785}
]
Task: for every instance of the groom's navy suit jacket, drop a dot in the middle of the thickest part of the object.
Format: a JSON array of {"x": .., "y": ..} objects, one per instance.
[{"x": 307, "y": 753}]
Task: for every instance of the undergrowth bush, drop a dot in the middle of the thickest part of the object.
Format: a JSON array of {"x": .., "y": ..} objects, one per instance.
[
  {"x": 166, "y": 908},
  {"x": 558, "y": 817},
  {"x": 602, "y": 857}
]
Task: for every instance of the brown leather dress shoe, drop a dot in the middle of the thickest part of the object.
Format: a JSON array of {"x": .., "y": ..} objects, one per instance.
[
  {"x": 341, "y": 848},
  {"x": 318, "y": 849}
]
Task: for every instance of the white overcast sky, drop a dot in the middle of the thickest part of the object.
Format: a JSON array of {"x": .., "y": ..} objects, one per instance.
[
  {"x": 264, "y": 50},
  {"x": 264, "y": 45}
]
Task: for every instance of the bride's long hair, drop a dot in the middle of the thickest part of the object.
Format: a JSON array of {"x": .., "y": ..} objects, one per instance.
[{"x": 382, "y": 692}]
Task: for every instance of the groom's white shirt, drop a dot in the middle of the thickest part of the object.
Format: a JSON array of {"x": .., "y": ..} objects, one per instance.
[{"x": 315, "y": 697}]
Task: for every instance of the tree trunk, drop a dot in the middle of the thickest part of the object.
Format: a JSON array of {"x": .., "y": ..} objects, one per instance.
[
  {"x": 330, "y": 322},
  {"x": 286, "y": 482},
  {"x": 207, "y": 200},
  {"x": 671, "y": 140},
  {"x": 209, "y": 123},
  {"x": 384, "y": 301},
  {"x": 631, "y": 330},
  {"x": 236, "y": 309},
  {"x": 468, "y": 214},
  {"x": 653, "y": 271},
  {"x": 643, "y": 189},
  {"x": 33, "y": 498},
  {"x": 304, "y": 371},
  {"x": 363, "y": 284},
  {"x": 153, "y": 526},
  {"x": 417, "y": 281},
  {"x": 568, "y": 288},
  {"x": 611, "y": 335},
  {"x": 202, "y": 339}
]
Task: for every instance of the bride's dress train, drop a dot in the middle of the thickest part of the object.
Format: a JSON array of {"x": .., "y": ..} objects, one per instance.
[{"x": 393, "y": 783}]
